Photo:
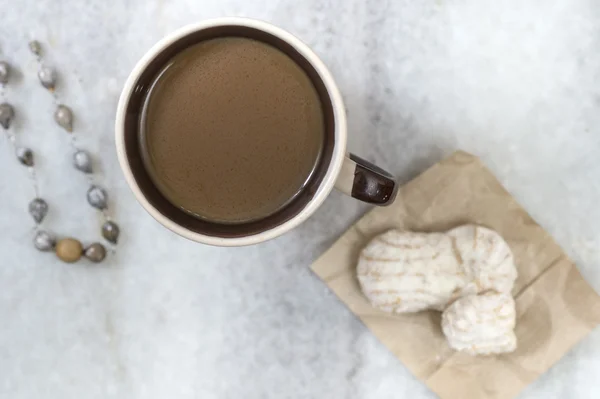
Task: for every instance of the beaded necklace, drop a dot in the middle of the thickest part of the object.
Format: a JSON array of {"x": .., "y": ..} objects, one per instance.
[{"x": 67, "y": 249}]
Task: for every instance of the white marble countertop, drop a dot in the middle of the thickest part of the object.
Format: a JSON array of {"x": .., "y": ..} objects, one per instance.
[{"x": 515, "y": 82}]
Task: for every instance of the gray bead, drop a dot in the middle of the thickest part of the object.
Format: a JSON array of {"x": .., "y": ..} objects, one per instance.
[
  {"x": 4, "y": 72},
  {"x": 38, "y": 208},
  {"x": 82, "y": 161},
  {"x": 43, "y": 241},
  {"x": 110, "y": 231},
  {"x": 95, "y": 252},
  {"x": 64, "y": 117},
  {"x": 47, "y": 77},
  {"x": 7, "y": 113},
  {"x": 35, "y": 47},
  {"x": 25, "y": 156},
  {"x": 97, "y": 197}
]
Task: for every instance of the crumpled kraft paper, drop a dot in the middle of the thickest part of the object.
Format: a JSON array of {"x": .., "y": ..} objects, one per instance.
[{"x": 556, "y": 308}]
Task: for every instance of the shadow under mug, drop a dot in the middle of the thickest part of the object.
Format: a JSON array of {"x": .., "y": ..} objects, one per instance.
[{"x": 346, "y": 172}]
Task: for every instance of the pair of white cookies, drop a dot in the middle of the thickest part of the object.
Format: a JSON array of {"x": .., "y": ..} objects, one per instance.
[{"x": 467, "y": 273}]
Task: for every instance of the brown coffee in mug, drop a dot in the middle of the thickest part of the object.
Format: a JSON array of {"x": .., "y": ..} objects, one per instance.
[{"x": 232, "y": 129}]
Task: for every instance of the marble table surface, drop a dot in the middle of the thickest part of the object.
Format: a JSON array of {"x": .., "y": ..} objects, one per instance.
[{"x": 515, "y": 82}]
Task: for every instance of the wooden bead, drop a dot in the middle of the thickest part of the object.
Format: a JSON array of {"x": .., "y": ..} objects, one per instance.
[{"x": 69, "y": 250}]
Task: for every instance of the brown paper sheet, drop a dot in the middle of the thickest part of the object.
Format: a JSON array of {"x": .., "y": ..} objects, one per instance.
[{"x": 556, "y": 308}]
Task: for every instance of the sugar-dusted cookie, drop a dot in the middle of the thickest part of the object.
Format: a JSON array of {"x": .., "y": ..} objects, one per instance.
[
  {"x": 403, "y": 271},
  {"x": 481, "y": 324}
]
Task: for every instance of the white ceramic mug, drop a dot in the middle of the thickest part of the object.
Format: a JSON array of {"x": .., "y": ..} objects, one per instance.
[{"x": 346, "y": 172}]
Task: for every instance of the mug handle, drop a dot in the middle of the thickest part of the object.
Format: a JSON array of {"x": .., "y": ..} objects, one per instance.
[{"x": 364, "y": 181}]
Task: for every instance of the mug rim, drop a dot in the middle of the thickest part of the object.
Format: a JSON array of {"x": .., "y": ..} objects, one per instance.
[{"x": 340, "y": 132}]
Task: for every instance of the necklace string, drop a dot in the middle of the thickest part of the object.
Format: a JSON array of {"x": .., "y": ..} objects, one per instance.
[{"x": 66, "y": 249}]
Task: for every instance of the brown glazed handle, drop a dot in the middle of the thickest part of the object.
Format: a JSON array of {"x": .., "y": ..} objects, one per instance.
[{"x": 367, "y": 182}]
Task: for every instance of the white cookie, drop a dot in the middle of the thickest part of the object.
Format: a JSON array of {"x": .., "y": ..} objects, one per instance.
[
  {"x": 481, "y": 324},
  {"x": 485, "y": 257},
  {"x": 401, "y": 271}
]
